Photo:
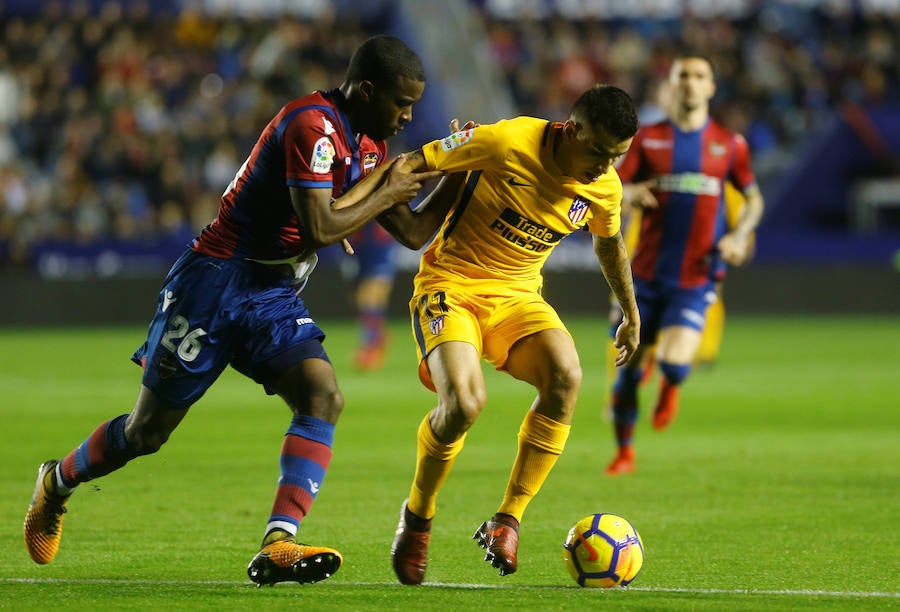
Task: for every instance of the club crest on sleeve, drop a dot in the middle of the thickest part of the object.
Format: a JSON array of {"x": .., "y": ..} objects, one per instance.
[
  {"x": 578, "y": 210},
  {"x": 436, "y": 325},
  {"x": 457, "y": 139},
  {"x": 322, "y": 156}
]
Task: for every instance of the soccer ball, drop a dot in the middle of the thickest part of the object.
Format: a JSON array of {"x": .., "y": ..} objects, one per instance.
[{"x": 603, "y": 550}]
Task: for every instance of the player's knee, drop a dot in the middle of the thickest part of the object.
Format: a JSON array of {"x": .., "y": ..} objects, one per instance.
[
  {"x": 570, "y": 378},
  {"x": 326, "y": 405},
  {"x": 675, "y": 373},
  {"x": 463, "y": 408},
  {"x": 563, "y": 381}
]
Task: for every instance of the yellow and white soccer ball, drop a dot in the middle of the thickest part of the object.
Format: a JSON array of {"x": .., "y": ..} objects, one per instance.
[{"x": 603, "y": 550}]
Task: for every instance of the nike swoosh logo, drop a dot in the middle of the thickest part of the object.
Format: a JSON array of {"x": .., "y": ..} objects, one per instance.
[{"x": 512, "y": 181}]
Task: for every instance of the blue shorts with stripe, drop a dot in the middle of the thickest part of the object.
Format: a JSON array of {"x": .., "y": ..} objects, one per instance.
[
  {"x": 214, "y": 312},
  {"x": 665, "y": 306}
]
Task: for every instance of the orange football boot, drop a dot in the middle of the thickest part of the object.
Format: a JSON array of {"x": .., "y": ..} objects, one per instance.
[
  {"x": 623, "y": 463},
  {"x": 43, "y": 522}
]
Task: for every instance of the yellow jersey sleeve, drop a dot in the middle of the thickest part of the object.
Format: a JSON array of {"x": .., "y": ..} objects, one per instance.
[{"x": 466, "y": 150}]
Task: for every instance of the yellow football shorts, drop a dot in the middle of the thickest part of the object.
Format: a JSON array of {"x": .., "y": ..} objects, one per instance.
[{"x": 492, "y": 320}]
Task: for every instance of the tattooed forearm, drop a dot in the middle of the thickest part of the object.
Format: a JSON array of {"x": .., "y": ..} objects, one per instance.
[
  {"x": 617, "y": 269},
  {"x": 416, "y": 160}
]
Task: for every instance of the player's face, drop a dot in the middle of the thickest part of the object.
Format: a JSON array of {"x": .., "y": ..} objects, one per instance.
[
  {"x": 692, "y": 84},
  {"x": 391, "y": 107},
  {"x": 586, "y": 154}
]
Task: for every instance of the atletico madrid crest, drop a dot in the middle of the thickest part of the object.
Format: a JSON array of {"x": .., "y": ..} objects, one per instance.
[
  {"x": 436, "y": 325},
  {"x": 578, "y": 211}
]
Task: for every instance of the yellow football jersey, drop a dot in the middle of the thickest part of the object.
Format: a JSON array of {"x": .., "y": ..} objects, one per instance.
[{"x": 516, "y": 206}]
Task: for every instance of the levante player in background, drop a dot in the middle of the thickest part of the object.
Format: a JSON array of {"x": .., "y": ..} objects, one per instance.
[
  {"x": 676, "y": 172},
  {"x": 233, "y": 299}
]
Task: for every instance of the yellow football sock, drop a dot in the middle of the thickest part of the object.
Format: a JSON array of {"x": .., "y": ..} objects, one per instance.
[
  {"x": 711, "y": 341},
  {"x": 541, "y": 442},
  {"x": 434, "y": 460}
]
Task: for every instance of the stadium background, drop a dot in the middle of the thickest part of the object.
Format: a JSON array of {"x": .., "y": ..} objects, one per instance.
[{"x": 121, "y": 123}]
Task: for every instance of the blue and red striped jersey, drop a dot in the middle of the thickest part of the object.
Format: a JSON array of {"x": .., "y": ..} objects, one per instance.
[
  {"x": 308, "y": 144},
  {"x": 677, "y": 241}
]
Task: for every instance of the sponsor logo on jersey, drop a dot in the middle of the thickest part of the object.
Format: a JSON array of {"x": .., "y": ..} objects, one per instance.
[
  {"x": 694, "y": 183},
  {"x": 322, "y": 156},
  {"x": 369, "y": 162},
  {"x": 578, "y": 210},
  {"x": 456, "y": 140},
  {"x": 528, "y": 234},
  {"x": 717, "y": 149},
  {"x": 304, "y": 321},
  {"x": 517, "y": 183},
  {"x": 436, "y": 325},
  {"x": 657, "y": 143}
]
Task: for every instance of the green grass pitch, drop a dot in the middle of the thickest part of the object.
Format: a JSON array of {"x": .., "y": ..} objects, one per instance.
[{"x": 778, "y": 487}]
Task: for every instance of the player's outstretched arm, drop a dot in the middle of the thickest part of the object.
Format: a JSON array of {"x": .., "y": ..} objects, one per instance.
[
  {"x": 323, "y": 222},
  {"x": 414, "y": 227},
  {"x": 735, "y": 245},
  {"x": 616, "y": 268}
]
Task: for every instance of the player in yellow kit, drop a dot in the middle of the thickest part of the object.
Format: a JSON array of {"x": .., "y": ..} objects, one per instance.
[{"x": 531, "y": 182}]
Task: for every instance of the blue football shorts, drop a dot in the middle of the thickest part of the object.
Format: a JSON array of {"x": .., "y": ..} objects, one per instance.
[
  {"x": 374, "y": 249},
  {"x": 215, "y": 312},
  {"x": 665, "y": 306}
]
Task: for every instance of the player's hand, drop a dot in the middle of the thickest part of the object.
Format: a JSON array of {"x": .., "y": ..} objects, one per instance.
[
  {"x": 454, "y": 125},
  {"x": 627, "y": 340},
  {"x": 640, "y": 195},
  {"x": 403, "y": 183},
  {"x": 734, "y": 248}
]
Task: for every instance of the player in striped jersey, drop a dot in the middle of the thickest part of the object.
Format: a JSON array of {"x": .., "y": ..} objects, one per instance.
[
  {"x": 477, "y": 295},
  {"x": 232, "y": 298},
  {"x": 676, "y": 171}
]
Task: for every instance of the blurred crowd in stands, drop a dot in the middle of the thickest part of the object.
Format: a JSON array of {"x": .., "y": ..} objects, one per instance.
[
  {"x": 781, "y": 69},
  {"x": 118, "y": 126}
]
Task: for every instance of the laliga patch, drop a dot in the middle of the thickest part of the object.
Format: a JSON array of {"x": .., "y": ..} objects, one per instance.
[
  {"x": 322, "y": 156},
  {"x": 369, "y": 162},
  {"x": 456, "y": 140}
]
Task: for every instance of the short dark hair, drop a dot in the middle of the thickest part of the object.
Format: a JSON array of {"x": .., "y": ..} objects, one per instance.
[
  {"x": 384, "y": 59},
  {"x": 689, "y": 53},
  {"x": 609, "y": 108}
]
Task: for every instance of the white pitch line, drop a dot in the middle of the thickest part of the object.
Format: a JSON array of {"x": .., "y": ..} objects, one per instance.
[{"x": 449, "y": 585}]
